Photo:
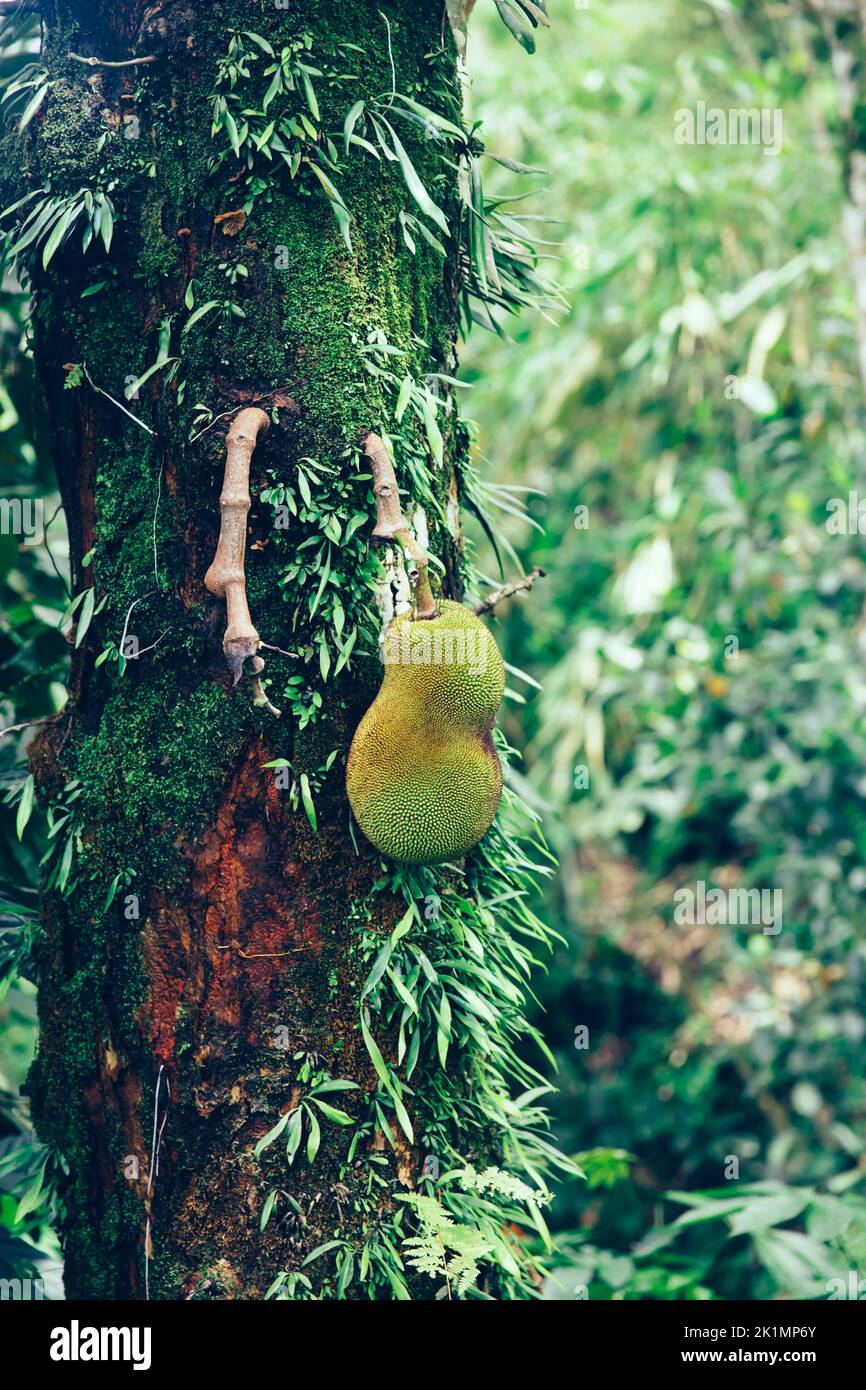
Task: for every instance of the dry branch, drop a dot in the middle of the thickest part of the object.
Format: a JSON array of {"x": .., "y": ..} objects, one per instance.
[
  {"x": 226, "y": 577},
  {"x": 391, "y": 525},
  {"x": 105, "y": 63},
  {"x": 518, "y": 586}
]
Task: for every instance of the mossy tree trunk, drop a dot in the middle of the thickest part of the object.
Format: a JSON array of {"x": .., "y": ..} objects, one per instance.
[{"x": 205, "y": 933}]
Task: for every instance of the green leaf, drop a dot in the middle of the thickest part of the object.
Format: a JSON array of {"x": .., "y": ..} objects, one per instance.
[
  {"x": 310, "y": 94},
  {"x": 65, "y": 863},
  {"x": 326, "y": 574},
  {"x": 431, "y": 428},
  {"x": 58, "y": 233},
  {"x": 352, "y": 117},
  {"x": 344, "y": 222},
  {"x": 262, "y": 139},
  {"x": 403, "y": 1117},
  {"x": 314, "y": 1138},
  {"x": 347, "y": 1270},
  {"x": 230, "y": 125},
  {"x": 307, "y": 798},
  {"x": 322, "y": 1250},
  {"x": 25, "y": 806},
  {"x": 337, "y": 1084},
  {"x": 294, "y": 1133},
  {"x": 432, "y": 117},
  {"x": 324, "y": 657},
  {"x": 403, "y": 926},
  {"x": 154, "y": 367},
  {"x": 107, "y": 223},
  {"x": 760, "y": 1213},
  {"x": 402, "y": 991},
  {"x": 341, "y": 212},
  {"x": 375, "y": 1055},
  {"x": 339, "y": 1117},
  {"x": 380, "y": 965},
  {"x": 415, "y": 186},
  {"x": 262, "y": 43},
  {"x": 200, "y": 313},
  {"x": 33, "y": 106},
  {"x": 517, "y": 24},
  {"x": 30, "y": 1199},
  {"x": 401, "y": 1293},
  {"x": 403, "y": 398},
  {"x": 304, "y": 487},
  {"x": 86, "y": 615},
  {"x": 267, "y": 1209},
  {"x": 271, "y": 1135}
]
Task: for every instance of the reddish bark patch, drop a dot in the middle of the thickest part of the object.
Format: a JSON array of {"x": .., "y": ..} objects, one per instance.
[{"x": 223, "y": 956}]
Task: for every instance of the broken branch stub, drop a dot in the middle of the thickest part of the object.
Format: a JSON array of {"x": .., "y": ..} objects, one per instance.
[
  {"x": 391, "y": 525},
  {"x": 226, "y": 577},
  {"x": 517, "y": 586}
]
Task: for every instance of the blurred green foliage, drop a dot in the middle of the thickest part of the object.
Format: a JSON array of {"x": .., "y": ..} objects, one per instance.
[{"x": 700, "y": 637}]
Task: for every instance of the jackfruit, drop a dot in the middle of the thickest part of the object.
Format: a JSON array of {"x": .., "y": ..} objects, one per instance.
[{"x": 423, "y": 777}]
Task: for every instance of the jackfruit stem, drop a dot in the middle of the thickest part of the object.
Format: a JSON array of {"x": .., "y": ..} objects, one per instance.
[
  {"x": 226, "y": 577},
  {"x": 392, "y": 525}
]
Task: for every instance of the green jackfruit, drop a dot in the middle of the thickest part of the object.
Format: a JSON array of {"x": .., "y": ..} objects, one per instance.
[{"x": 423, "y": 776}]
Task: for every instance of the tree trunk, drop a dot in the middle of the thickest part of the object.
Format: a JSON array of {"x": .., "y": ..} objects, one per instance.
[{"x": 205, "y": 947}]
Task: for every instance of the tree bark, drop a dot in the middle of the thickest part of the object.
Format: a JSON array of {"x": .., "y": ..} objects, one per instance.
[{"x": 207, "y": 934}]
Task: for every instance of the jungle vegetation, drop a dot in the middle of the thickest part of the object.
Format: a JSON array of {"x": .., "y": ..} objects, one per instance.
[{"x": 596, "y": 350}]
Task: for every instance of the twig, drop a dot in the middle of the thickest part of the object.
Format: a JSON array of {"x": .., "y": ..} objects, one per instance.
[
  {"x": 57, "y": 510},
  {"x": 264, "y": 955},
  {"x": 16, "y": 7},
  {"x": 135, "y": 601},
  {"x": 104, "y": 63},
  {"x": 156, "y": 1144},
  {"x": 156, "y": 512},
  {"x": 14, "y": 728},
  {"x": 109, "y": 397},
  {"x": 233, "y": 411},
  {"x": 152, "y": 645},
  {"x": 269, "y": 647},
  {"x": 487, "y": 605},
  {"x": 391, "y": 525}
]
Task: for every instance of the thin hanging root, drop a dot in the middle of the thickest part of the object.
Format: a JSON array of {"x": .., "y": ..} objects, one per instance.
[
  {"x": 226, "y": 577},
  {"x": 391, "y": 525}
]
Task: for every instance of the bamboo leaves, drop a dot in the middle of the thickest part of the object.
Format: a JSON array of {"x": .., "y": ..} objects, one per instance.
[{"x": 52, "y": 220}]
